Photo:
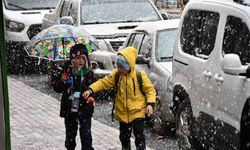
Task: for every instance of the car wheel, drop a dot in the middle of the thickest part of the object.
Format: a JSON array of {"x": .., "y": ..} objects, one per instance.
[
  {"x": 156, "y": 118},
  {"x": 154, "y": 121},
  {"x": 245, "y": 127},
  {"x": 159, "y": 123},
  {"x": 183, "y": 128}
]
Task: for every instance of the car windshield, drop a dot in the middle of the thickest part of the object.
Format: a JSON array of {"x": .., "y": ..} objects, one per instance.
[
  {"x": 244, "y": 2},
  {"x": 115, "y": 11},
  {"x": 30, "y": 4},
  {"x": 165, "y": 40}
]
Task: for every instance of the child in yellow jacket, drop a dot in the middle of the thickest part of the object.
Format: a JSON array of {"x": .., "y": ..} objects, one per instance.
[{"x": 130, "y": 104}]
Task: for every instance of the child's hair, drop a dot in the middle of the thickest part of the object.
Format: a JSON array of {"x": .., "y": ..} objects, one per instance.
[{"x": 77, "y": 50}]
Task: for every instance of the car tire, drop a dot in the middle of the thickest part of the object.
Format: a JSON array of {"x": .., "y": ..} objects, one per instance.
[
  {"x": 156, "y": 120},
  {"x": 184, "y": 122},
  {"x": 158, "y": 123},
  {"x": 245, "y": 127}
]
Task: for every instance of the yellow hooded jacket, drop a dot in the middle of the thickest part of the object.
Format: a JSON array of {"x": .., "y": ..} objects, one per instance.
[{"x": 130, "y": 103}]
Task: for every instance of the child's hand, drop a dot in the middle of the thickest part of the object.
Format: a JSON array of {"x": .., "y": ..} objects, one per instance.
[
  {"x": 86, "y": 94},
  {"x": 149, "y": 110},
  {"x": 64, "y": 77},
  {"x": 91, "y": 101}
]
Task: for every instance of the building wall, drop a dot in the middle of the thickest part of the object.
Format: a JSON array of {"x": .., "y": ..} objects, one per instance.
[{"x": 163, "y": 4}]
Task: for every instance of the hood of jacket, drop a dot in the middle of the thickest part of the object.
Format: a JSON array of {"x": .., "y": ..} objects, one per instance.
[{"x": 130, "y": 55}]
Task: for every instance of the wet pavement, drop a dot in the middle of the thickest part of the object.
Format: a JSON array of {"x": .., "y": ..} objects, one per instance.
[{"x": 35, "y": 124}]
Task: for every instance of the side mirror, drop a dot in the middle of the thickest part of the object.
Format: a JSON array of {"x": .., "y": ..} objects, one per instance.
[
  {"x": 142, "y": 60},
  {"x": 51, "y": 10},
  {"x": 164, "y": 16},
  {"x": 231, "y": 64},
  {"x": 66, "y": 20}
]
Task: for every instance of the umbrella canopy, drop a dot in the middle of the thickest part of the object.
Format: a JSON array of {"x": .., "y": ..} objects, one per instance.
[{"x": 55, "y": 42}]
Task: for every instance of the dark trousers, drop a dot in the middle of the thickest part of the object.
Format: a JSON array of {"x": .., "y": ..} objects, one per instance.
[
  {"x": 138, "y": 129},
  {"x": 71, "y": 124}
]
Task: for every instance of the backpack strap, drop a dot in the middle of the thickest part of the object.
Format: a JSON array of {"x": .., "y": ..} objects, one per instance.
[
  {"x": 117, "y": 77},
  {"x": 139, "y": 79}
]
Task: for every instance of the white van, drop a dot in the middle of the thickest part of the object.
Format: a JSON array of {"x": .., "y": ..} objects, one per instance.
[
  {"x": 211, "y": 91},
  {"x": 22, "y": 21}
]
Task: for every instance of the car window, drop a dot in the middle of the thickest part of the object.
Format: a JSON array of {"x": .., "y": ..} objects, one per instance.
[
  {"x": 199, "y": 32},
  {"x": 164, "y": 46},
  {"x": 145, "y": 47},
  {"x": 30, "y": 4},
  {"x": 65, "y": 9},
  {"x": 61, "y": 10},
  {"x": 135, "y": 40},
  {"x": 237, "y": 39},
  {"x": 70, "y": 9},
  {"x": 110, "y": 11}
]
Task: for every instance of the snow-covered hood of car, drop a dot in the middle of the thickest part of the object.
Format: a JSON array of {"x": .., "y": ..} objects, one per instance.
[
  {"x": 26, "y": 17},
  {"x": 112, "y": 29},
  {"x": 167, "y": 66}
]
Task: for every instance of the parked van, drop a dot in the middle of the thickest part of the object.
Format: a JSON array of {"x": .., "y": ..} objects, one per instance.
[
  {"x": 22, "y": 21},
  {"x": 211, "y": 91}
]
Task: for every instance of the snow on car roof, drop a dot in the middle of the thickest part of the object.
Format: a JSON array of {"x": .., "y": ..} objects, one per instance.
[{"x": 158, "y": 25}]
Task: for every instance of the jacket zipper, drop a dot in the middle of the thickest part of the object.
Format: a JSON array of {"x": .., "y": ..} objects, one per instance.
[
  {"x": 134, "y": 85},
  {"x": 127, "y": 96}
]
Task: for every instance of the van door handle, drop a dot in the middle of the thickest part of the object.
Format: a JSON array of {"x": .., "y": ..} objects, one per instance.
[
  {"x": 218, "y": 78},
  {"x": 207, "y": 74}
]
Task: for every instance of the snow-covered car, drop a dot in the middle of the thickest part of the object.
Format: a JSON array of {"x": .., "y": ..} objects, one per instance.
[
  {"x": 102, "y": 63},
  {"x": 155, "y": 42},
  {"x": 108, "y": 21},
  {"x": 22, "y": 21},
  {"x": 211, "y": 91}
]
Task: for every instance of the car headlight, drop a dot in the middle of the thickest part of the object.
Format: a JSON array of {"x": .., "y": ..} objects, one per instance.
[
  {"x": 14, "y": 26},
  {"x": 170, "y": 84}
]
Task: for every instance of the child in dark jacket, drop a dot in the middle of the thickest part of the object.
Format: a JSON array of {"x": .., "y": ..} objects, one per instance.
[{"x": 72, "y": 80}]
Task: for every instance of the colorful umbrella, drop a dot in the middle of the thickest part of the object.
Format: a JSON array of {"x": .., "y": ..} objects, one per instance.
[{"x": 55, "y": 42}]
